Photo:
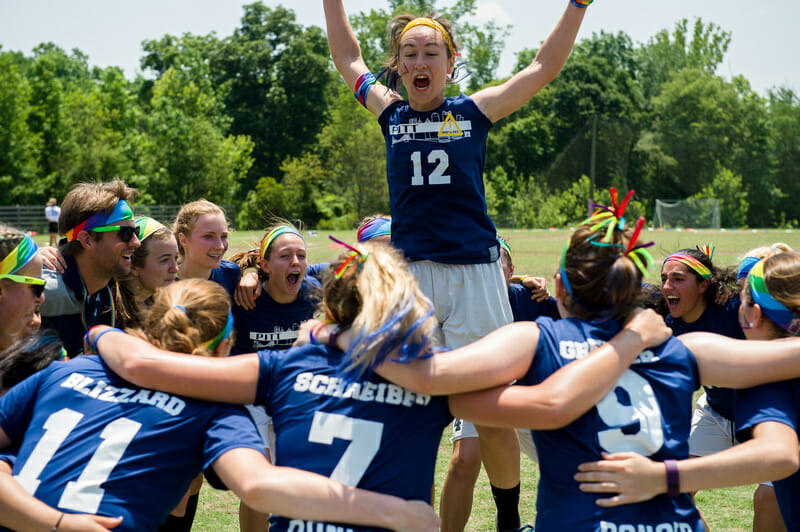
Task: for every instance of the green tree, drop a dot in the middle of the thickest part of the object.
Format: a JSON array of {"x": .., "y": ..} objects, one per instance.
[
  {"x": 728, "y": 189},
  {"x": 784, "y": 150}
]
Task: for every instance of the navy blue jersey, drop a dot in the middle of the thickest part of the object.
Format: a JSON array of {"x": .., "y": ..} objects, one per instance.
[
  {"x": 435, "y": 170},
  {"x": 648, "y": 411},
  {"x": 779, "y": 401},
  {"x": 719, "y": 319},
  {"x": 523, "y": 308},
  {"x": 227, "y": 275},
  {"x": 370, "y": 434},
  {"x": 272, "y": 325},
  {"x": 90, "y": 442}
]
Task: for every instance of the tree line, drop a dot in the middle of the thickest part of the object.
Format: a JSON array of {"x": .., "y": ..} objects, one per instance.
[{"x": 260, "y": 119}]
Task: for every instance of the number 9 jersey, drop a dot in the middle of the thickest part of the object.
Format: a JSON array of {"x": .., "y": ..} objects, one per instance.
[
  {"x": 369, "y": 434},
  {"x": 648, "y": 411},
  {"x": 434, "y": 164}
]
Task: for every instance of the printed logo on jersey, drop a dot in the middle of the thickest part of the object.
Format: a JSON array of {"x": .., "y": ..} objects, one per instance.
[
  {"x": 605, "y": 526},
  {"x": 296, "y": 525},
  {"x": 279, "y": 338},
  {"x": 436, "y": 128},
  {"x": 570, "y": 350}
]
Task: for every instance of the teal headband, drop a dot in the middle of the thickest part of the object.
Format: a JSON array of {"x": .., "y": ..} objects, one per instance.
[{"x": 774, "y": 309}]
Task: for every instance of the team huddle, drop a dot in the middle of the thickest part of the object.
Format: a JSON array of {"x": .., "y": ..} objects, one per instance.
[{"x": 319, "y": 393}]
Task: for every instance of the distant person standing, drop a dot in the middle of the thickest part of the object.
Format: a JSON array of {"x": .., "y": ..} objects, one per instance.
[{"x": 52, "y": 211}]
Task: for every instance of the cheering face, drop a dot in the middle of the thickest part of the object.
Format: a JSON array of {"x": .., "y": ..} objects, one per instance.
[
  {"x": 112, "y": 254},
  {"x": 286, "y": 267},
  {"x": 424, "y": 66},
  {"x": 160, "y": 265},
  {"x": 684, "y": 295},
  {"x": 208, "y": 241},
  {"x": 18, "y": 303}
]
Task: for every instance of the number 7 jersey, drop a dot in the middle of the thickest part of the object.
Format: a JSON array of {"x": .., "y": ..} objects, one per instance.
[
  {"x": 370, "y": 433},
  {"x": 434, "y": 164},
  {"x": 648, "y": 411}
]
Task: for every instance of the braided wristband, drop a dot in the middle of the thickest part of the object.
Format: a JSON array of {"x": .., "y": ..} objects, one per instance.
[
  {"x": 581, "y": 3},
  {"x": 673, "y": 479}
]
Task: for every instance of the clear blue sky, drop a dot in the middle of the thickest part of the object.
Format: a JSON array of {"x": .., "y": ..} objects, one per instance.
[{"x": 111, "y": 31}]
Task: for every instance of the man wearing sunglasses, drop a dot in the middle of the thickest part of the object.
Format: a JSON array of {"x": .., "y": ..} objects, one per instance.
[
  {"x": 100, "y": 238},
  {"x": 21, "y": 284}
]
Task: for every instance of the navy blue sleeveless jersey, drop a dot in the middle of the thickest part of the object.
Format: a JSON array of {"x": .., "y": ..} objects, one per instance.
[
  {"x": 272, "y": 325},
  {"x": 648, "y": 411},
  {"x": 90, "y": 442},
  {"x": 370, "y": 433},
  {"x": 523, "y": 308},
  {"x": 227, "y": 275},
  {"x": 780, "y": 402},
  {"x": 719, "y": 319},
  {"x": 434, "y": 166}
]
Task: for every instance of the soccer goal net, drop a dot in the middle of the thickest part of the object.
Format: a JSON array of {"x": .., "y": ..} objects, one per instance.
[{"x": 693, "y": 212}]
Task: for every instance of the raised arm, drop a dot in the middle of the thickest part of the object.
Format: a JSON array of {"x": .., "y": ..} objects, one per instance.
[
  {"x": 304, "y": 495},
  {"x": 227, "y": 380},
  {"x": 346, "y": 55},
  {"x": 500, "y": 101},
  {"x": 631, "y": 477},
  {"x": 723, "y": 361},
  {"x": 569, "y": 392},
  {"x": 506, "y": 354},
  {"x": 21, "y": 511}
]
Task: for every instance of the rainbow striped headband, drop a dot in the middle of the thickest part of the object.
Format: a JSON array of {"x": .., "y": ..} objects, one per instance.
[
  {"x": 745, "y": 267},
  {"x": 218, "y": 339},
  {"x": 121, "y": 211},
  {"x": 695, "y": 265},
  {"x": 19, "y": 256},
  {"x": 147, "y": 226},
  {"x": 266, "y": 242},
  {"x": 375, "y": 227},
  {"x": 431, "y": 23},
  {"x": 774, "y": 309},
  {"x": 505, "y": 246}
]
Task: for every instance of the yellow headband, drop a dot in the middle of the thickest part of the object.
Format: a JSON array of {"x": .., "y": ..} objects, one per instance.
[{"x": 431, "y": 23}]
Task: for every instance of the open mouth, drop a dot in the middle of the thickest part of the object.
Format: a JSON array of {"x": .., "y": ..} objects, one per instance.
[
  {"x": 293, "y": 278},
  {"x": 673, "y": 301},
  {"x": 421, "y": 82}
]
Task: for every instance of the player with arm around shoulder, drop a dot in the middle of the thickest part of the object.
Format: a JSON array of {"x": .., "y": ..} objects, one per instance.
[{"x": 89, "y": 440}]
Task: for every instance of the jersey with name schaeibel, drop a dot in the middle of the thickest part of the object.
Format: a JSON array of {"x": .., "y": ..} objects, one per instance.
[
  {"x": 370, "y": 433},
  {"x": 648, "y": 411},
  {"x": 272, "y": 325},
  {"x": 91, "y": 442},
  {"x": 434, "y": 166},
  {"x": 779, "y": 402}
]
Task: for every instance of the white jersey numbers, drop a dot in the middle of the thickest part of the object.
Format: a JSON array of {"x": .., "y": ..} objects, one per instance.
[
  {"x": 365, "y": 437},
  {"x": 631, "y": 409},
  {"x": 438, "y": 175},
  {"x": 83, "y": 494}
]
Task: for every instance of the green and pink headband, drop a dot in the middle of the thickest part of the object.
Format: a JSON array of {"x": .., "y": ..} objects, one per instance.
[
  {"x": 121, "y": 211},
  {"x": 19, "y": 256},
  {"x": 692, "y": 263},
  {"x": 774, "y": 309}
]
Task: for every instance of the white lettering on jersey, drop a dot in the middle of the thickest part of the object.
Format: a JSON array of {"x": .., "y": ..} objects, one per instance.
[
  {"x": 439, "y": 129},
  {"x": 605, "y": 526},
  {"x": 102, "y": 391},
  {"x": 368, "y": 392},
  {"x": 296, "y": 525},
  {"x": 570, "y": 350}
]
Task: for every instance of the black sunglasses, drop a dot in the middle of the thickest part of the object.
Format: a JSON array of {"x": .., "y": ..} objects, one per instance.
[{"x": 126, "y": 232}]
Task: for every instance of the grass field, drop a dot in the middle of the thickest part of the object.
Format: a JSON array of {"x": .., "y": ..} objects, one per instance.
[{"x": 537, "y": 253}]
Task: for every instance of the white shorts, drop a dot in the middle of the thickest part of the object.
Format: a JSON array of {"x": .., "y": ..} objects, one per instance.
[
  {"x": 711, "y": 432},
  {"x": 264, "y": 425},
  {"x": 463, "y": 429},
  {"x": 469, "y": 300},
  {"x": 526, "y": 444}
]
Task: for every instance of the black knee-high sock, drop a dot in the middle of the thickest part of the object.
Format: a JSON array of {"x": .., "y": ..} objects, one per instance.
[
  {"x": 182, "y": 524},
  {"x": 507, "y": 502}
]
